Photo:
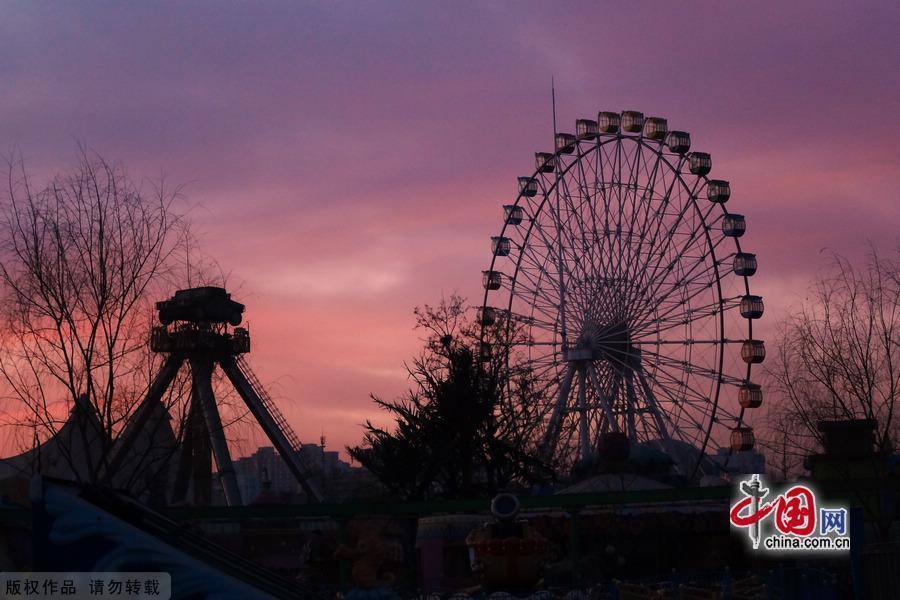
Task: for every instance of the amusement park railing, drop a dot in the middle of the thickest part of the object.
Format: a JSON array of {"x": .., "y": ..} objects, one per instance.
[
  {"x": 273, "y": 422},
  {"x": 269, "y": 404}
]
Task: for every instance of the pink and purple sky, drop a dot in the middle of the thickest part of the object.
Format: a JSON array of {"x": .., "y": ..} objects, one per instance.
[{"x": 347, "y": 160}]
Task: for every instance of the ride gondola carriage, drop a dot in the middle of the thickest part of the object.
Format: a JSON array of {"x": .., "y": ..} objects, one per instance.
[
  {"x": 742, "y": 439},
  {"x": 513, "y": 214},
  {"x": 679, "y": 142},
  {"x": 734, "y": 225}
]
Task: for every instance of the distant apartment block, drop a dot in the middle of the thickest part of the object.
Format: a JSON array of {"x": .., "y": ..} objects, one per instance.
[{"x": 264, "y": 478}]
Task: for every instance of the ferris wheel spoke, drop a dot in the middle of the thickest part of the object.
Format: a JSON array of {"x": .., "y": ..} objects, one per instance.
[
  {"x": 679, "y": 294},
  {"x": 709, "y": 270},
  {"x": 591, "y": 186},
  {"x": 549, "y": 246},
  {"x": 674, "y": 320},
  {"x": 560, "y": 251},
  {"x": 607, "y": 152},
  {"x": 544, "y": 265},
  {"x": 533, "y": 275},
  {"x": 619, "y": 210},
  {"x": 580, "y": 235},
  {"x": 693, "y": 237},
  {"x": 545, "y": 370},
  {"x": 545, "y": 245},
  {"x": 590, "y": 236},
  {"x": 555, "y": 249},
  {"x": 690, "y": 368},
  {"x": 683, "y": 411},
  {"x": 661, "y": 246},
  {"x": 690, "y": 289},
  {"x": 542, "y": 365},
  {"x": 674, "y": 308},
  {"x": 527, "y": 286},
  {"x": 685, "y": 342},
  {"x": 545, "y": 310},
  {"x": 643, "y": 194},
  {"x": 679, "y": 379},
  {"x": 625, "y": 358},
  {"x": 531, "y": 320},
  {"x": 685, "y": 194},
  {"x": 642, "y": 202},
  {"x": 685, "y": 365},
  {"x": 674, "y": 390},
  {"x": 673, "y": 304},
  {"x": 632, "y": 197},
  {"x": 627, "y": 201},
  {"x": 655, "y": 277},
  {"x": 533, "y": 343},
  {"x": 640, "y": 265}
]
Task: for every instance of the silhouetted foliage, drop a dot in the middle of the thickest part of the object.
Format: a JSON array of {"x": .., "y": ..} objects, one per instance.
[{"x": 451, "y": 438}]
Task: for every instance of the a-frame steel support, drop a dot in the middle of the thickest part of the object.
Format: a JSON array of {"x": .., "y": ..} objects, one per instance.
[{"x": 202, "y": 338}]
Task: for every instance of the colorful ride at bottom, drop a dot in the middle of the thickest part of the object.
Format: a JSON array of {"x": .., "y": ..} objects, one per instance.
[{"x": 507, "y": 553}]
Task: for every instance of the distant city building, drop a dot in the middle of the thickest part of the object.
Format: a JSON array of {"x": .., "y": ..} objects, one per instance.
[
  {"x": 264, "y": 469},
  {"x": 740, "y": 463},
  {"x": 326, "y": 462},
  {"x": 264, "y": 478}
]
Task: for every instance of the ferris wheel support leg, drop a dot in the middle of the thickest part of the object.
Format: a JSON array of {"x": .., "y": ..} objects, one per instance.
[
  {"x": 584, "y": 432},
  {"x": 201, "y": 370},
  {"x": 632, "y": 408},
  {"x": 604, "y": 401},
  {"x": 552, "y": 433},
  {"x": 654, "y": 406}
]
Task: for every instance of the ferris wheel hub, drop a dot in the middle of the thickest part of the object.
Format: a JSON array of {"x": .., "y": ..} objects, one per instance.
[{"x": 610, "y": 343}]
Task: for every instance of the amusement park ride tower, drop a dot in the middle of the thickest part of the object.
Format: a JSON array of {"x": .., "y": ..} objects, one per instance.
[{"x": 200, "y": 327}]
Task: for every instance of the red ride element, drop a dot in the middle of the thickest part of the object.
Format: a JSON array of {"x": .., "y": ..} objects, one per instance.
[{"x": 795, "y": 512}]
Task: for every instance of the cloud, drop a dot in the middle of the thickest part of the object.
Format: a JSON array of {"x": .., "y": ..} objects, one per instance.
[
  {"x": 331, "y": 279},
  {"x": 350, "y": 161}
]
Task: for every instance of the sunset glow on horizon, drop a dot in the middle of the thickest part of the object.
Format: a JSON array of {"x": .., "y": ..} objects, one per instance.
[{"x": 346, "y": 162}]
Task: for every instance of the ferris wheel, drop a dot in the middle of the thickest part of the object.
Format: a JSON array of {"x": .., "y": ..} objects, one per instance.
[{"x": 623, "y": 293}]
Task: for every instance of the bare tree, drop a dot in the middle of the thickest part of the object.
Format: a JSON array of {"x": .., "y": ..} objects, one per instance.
[
  {"x": 839, "y": 356},
  {"x": 81, "y": 260},
  {"x": 837, "y": 360},
  {"x": 785, "y": 439}
]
